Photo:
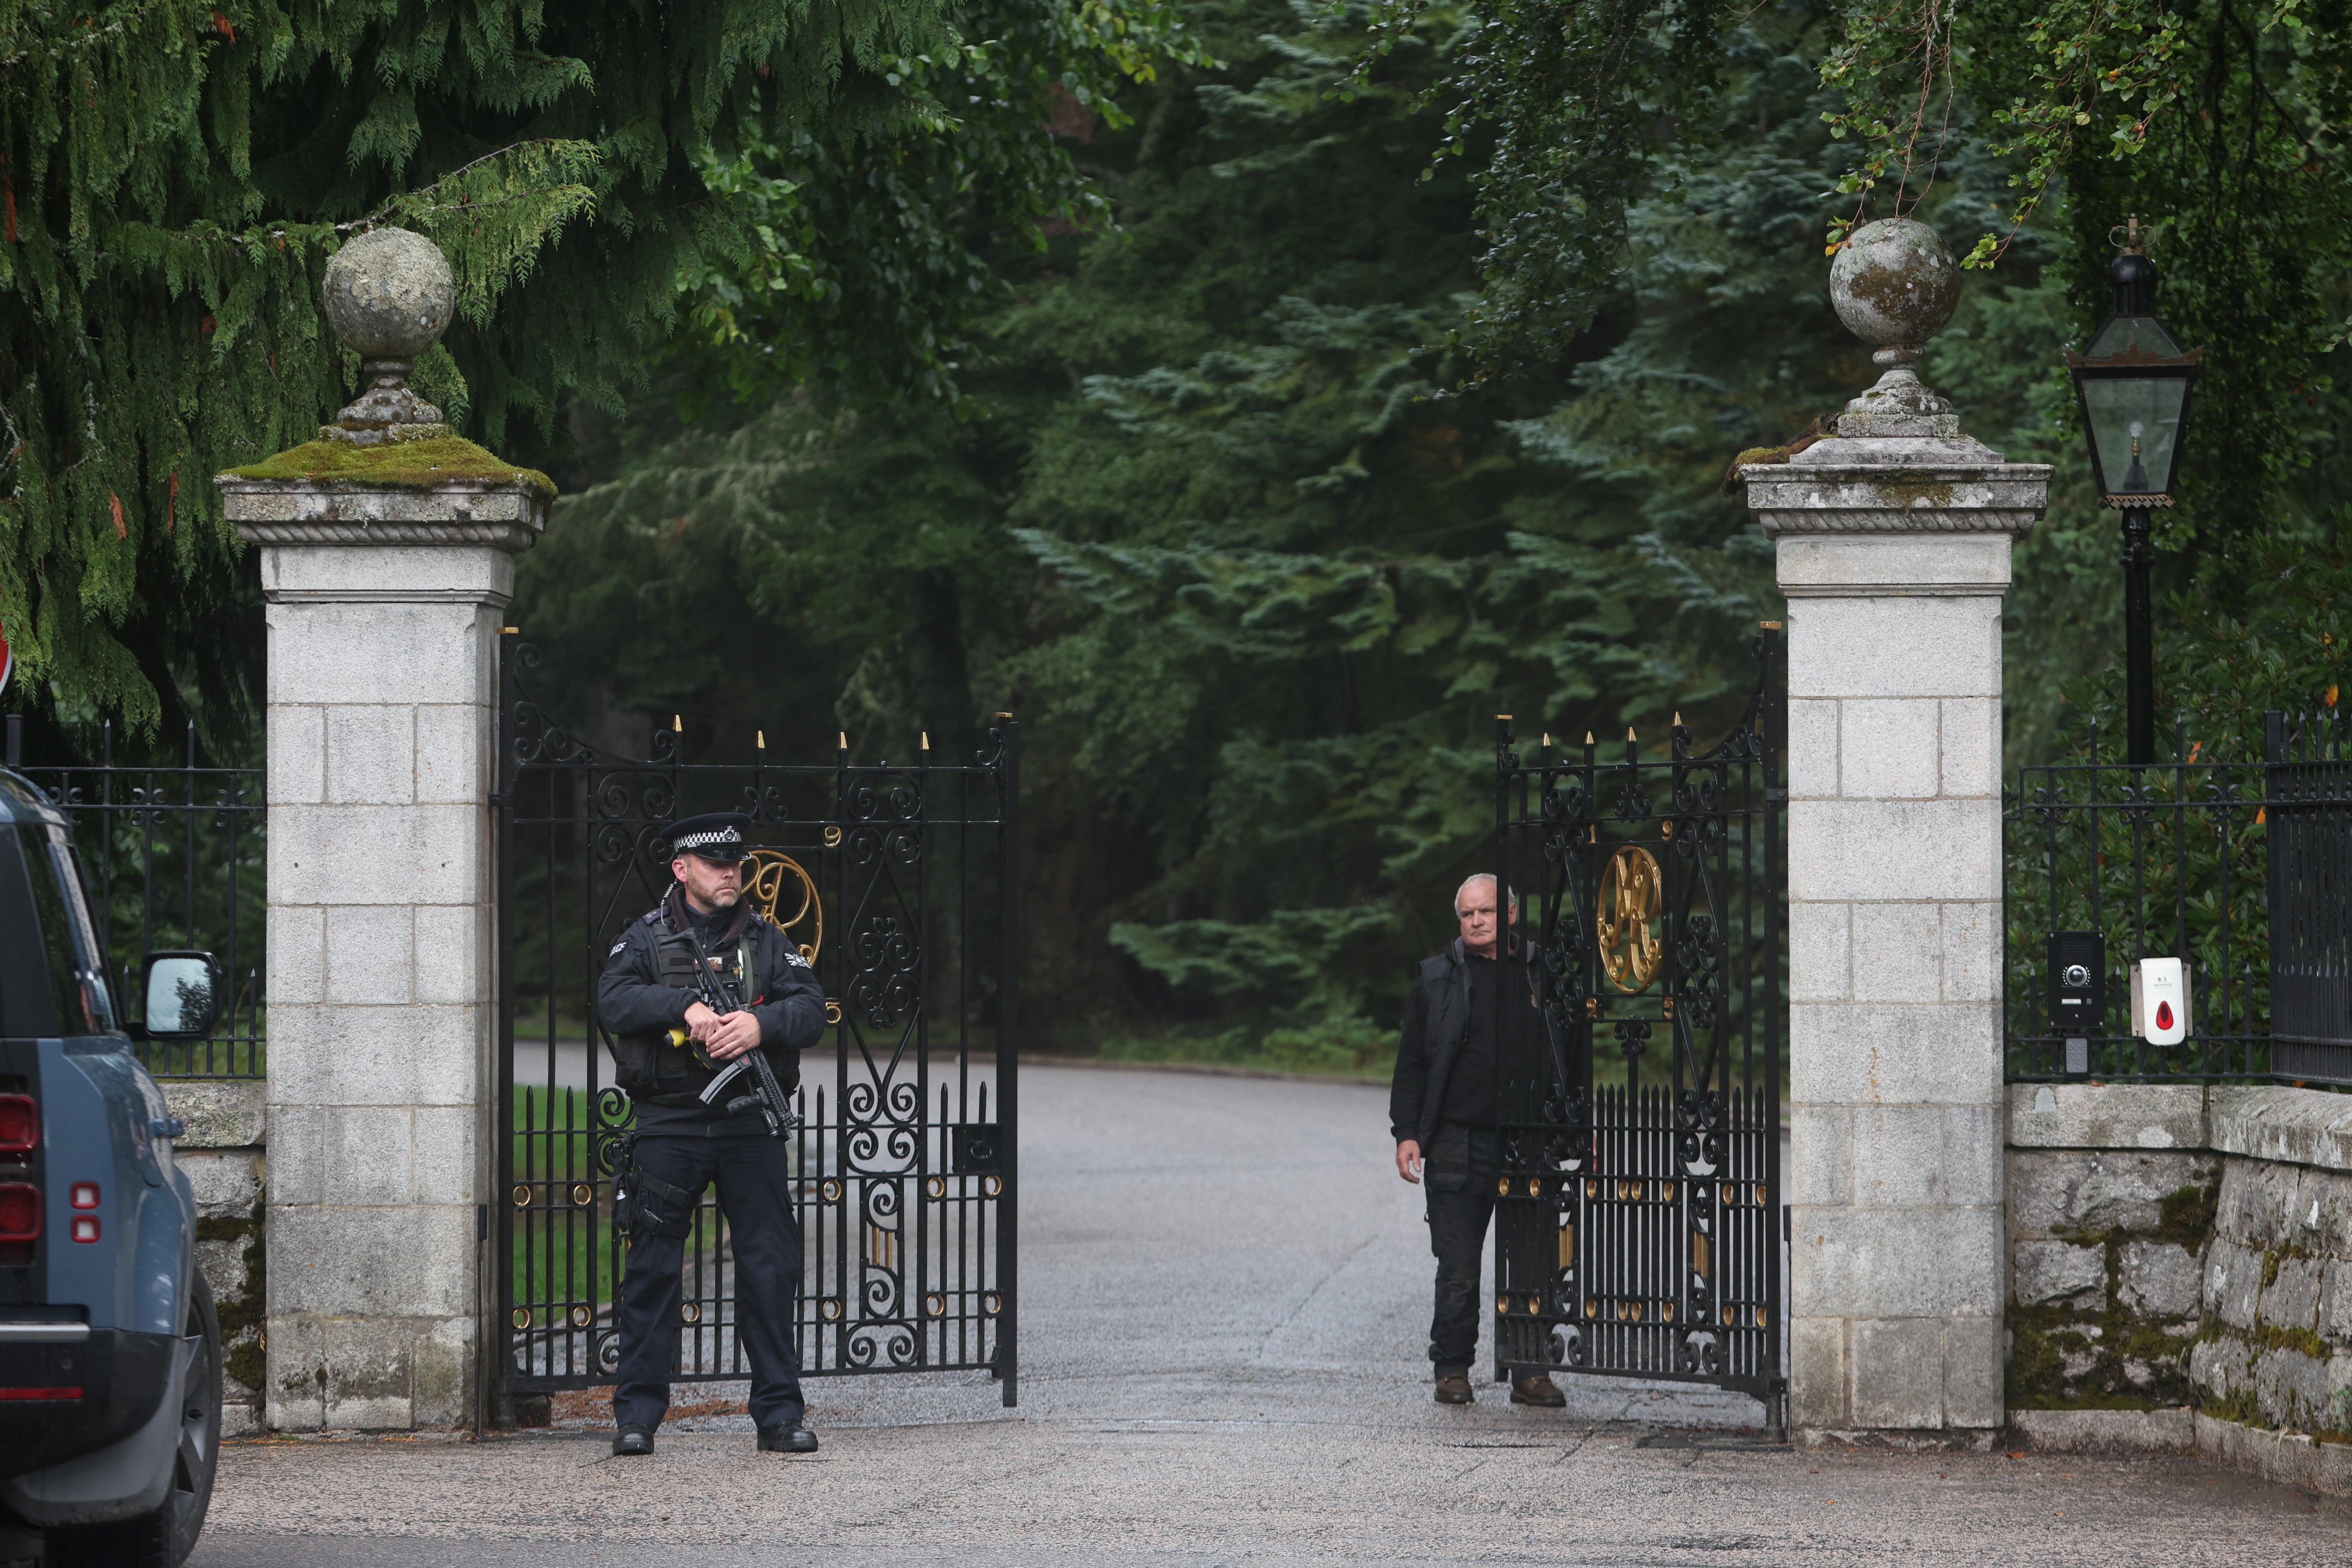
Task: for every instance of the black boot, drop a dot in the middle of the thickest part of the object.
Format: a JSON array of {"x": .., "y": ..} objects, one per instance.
[
  {"x": 787, "y": 1438},
  {"x": 634, "y": 1440}
]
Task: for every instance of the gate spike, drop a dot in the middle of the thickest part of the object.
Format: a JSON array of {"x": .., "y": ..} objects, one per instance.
[
  {"x": 843, "y": 744},
  {"x": 676, "y": 725},
  {"x": 1588, "y": 737},
  {"x": 759, "y": 738},
  {"x": 1678, "y": 717},
  {"x": 1628, "y": 734},
  {"x": 926, "y": 740}
]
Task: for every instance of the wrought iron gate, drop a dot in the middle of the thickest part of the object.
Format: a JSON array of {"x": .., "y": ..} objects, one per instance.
[
  {"x": 1638, "y": 1223},
  {"x": 897, "y": 882}
]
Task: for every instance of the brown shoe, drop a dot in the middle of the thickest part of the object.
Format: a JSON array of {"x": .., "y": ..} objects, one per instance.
[
  {"x": 1454, "y": 1388},
  {"x": 1538, "y": 1390}
]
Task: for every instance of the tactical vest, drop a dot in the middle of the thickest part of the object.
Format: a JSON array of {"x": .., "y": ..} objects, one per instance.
[{"x": 649, "y": 1066}]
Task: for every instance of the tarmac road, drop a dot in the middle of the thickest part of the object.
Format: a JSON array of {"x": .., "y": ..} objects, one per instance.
[{"x": 1226, "y": 1301}]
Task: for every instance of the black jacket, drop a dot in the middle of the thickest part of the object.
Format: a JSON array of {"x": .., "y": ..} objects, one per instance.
[
  {"x": 1436, "y": 1023},
  {"x": 638, "y": 1004}
]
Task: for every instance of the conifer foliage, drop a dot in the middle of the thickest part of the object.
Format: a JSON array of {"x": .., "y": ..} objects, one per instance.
[{"x": 174, "y": 175}]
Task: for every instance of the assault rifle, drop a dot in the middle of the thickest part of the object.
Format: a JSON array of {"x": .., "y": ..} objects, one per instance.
[{"x": 718, "y": 991}]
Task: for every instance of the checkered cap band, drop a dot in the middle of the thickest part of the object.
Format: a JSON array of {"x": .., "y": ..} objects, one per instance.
[{"x": 717, "y": 836}]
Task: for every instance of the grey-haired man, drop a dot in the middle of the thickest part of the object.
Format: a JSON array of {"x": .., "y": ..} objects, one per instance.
[{"x": 1443, "y": 1112}]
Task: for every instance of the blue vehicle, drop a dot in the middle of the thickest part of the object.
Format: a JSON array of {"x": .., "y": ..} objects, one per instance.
[{"x": 109, "y": 1350}]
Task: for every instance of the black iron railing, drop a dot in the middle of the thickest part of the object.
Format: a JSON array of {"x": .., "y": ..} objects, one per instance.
[
  {"x": 2239, "y": 868},
  {"x": 173, "y": 855},
  {"x": 2310, "y": 870}
]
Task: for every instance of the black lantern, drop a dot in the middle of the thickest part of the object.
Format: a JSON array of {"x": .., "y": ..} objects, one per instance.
[{"x": 2133, "y": 387}]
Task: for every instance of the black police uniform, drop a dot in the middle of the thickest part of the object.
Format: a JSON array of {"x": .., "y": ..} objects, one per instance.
[{"x": 683, "y": 1144}]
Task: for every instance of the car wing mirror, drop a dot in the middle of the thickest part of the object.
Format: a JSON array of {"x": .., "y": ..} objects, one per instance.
[{"x": 182, "y": 988}]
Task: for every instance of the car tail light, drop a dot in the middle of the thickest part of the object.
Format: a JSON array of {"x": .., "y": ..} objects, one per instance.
[
  {"x": 20, "y": 1212},
  {"x": 85, "y": 1228},
  {"x": 20, "y": 1123},
  {"x": 85, "y": 1195},
  {"x": 68, "y": 1392}
]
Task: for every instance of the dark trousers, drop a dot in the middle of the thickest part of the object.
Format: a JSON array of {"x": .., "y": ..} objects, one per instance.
[
  {"x": 1459, "y": 1168},
  {"x": 754, "y": 1177}
]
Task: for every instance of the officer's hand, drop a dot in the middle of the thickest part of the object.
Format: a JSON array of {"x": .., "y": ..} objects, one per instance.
[
  {"x": 698, "y": 1022},
  {"x": 1409, "y": 1161},
  {"x": 732, "y": 1036}
]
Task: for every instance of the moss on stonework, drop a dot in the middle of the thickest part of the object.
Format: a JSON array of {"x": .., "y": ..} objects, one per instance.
[
  {"x": 2112, "y": 1335},
  {"x": 408, "y": 464},
  {"x": 243, "y": 1316},
  {"x": 1908, "y": 491},
  {"x": 2274, "y": 1338},
  {"x": 2188, "y": 1216}
]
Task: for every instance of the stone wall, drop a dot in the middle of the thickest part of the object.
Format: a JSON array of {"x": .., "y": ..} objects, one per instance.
[
  {"x": 224, "y": 1156},
  {"x": 2277, "y": 1345},
  {"x": 2185, "y": 1252}
]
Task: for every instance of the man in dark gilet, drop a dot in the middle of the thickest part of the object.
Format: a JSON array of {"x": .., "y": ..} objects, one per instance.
[
  {"x": 1443, "y": 1115},
  {"x": 669, "y": 1047}
]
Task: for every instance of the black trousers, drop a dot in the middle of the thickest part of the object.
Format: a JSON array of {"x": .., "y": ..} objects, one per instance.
[
  {"x": 754, "y": 1177},
  {"x": 1459, "y": 1168}
]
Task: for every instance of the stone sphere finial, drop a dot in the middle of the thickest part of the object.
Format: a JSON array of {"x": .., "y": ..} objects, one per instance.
[
  {"x": 389, "y": 296},
  {"x": 1895, "y": 284}
]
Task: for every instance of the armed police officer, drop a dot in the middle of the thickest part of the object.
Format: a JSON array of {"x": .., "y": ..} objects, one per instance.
[{"x": 710, "y": 1006}]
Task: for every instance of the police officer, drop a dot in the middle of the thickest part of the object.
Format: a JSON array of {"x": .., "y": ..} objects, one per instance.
[{"x": 668, "y": 1046}]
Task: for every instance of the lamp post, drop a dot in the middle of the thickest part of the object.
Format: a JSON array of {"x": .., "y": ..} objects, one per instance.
[{"x": 2133, "y": 385}]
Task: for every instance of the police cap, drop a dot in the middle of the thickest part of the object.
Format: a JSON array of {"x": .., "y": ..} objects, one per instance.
[{"x": 717, "y": 837}]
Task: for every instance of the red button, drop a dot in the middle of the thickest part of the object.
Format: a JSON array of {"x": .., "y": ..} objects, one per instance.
[
  {"x": 2163, "y": 1014},
  {"x": 85, "y": 1228},
  {"x": 85, "y": 1195}
]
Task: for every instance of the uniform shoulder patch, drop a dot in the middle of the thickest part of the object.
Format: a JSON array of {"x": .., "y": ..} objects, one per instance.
[
  {"x": 618, "y": 946},
  {"x": 652, "y": 915},
  {"x": 792, "y": 956}
]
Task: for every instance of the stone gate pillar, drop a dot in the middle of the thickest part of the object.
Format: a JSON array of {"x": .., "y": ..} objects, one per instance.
[
  {"x": 1893, "y": 540},
  {"x": 387, "y": 556}
]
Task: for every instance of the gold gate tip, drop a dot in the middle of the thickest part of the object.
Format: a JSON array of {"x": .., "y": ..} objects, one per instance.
[
  {"x": 1588, "y": 737},
  {"x": 843, "y": 744},
  {"x": 1628, "y": 734},
  {"x": 759, "y": 738},
  {"x": 926, "y": 740},
  {"x": 676, "y": 725},
  {"x": 1678, "y": 717}
]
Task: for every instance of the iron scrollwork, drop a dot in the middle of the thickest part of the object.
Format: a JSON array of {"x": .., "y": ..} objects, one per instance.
[
  {"x": 872, "y": 871},
  {"x": 1633, "y": 1236}
]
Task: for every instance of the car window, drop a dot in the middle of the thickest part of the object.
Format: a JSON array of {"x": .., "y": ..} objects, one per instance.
[{"x": 76, "y": 963}]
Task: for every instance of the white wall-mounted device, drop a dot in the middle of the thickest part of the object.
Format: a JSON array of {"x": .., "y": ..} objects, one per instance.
[{"x": 2159, "y": 1001}]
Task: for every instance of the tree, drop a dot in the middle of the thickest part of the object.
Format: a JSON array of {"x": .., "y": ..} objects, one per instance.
[
  {"x": 1213, "y": 530},
  {"x": 175, "y": 176},
  {"x": 2221, "y": 122}
]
